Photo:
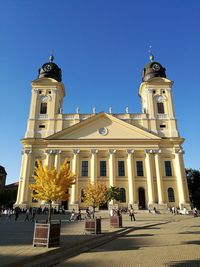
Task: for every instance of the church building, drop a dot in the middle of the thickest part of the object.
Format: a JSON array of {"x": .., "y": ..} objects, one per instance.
[{"x": 139, "y": 153}]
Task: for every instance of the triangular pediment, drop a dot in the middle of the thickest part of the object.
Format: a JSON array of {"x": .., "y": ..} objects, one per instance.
[{"x": 103, "y": 126}]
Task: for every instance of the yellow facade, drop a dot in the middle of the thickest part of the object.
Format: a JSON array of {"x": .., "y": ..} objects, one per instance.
[{"x": 147, "y": 146}]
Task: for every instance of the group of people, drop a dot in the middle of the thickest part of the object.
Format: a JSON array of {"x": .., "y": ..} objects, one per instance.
[
  {"x": 117, "y": 212},
  {"x": 75, "y": 216}
]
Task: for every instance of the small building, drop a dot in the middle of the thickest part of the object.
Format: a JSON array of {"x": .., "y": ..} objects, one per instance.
[{"x": 3, "y": 175}]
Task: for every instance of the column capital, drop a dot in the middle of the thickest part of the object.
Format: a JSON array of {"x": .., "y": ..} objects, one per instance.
[
  {"x": 153, "y": 151},
  {"x": 35, "y": 90},
  {"x": 57, "y": 151},
  {"x": 112, "y": 151},
  {"x": 130, "y": 151},
  {"x": 48, "y": 151},
  {"x": 54, "y": 90},
  {"x": 94, "y": 151},
  {"x": 148, "y": 151},
  {"x": 26, "y": 151},
  {"x": 157, "y": 151},
  {"x": 75, "y": 151},
  {"x": 179, "y": 151}
]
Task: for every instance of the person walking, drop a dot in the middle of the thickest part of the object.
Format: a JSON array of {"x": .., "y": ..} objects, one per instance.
[
  {"x": 79, "y": 215},
  {"x": 72, "y": 218},
  {"x": 27, "y": 215},
  {"x": 131, "y": 214}
]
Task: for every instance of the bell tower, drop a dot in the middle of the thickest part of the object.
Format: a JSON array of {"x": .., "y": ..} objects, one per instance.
[
  {"x": 157, "y": 101},
  {"x": 45, "y": 117}
]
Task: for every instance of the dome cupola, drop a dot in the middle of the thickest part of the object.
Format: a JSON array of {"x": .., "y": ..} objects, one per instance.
[
  {"x": 152, "y": 70},
  {"x": 50, "y": 70}
]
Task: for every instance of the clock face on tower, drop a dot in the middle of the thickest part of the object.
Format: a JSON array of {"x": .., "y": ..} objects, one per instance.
[
  {"x": 47, "y": 67},
  {"x": 155, "y": 67}
]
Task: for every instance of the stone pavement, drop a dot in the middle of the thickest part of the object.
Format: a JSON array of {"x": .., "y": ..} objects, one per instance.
[
  {"x": 174, "y": 244},
  {"x": 16, "y": 237}
]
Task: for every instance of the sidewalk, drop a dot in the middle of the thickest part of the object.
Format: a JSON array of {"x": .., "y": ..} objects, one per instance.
[{"x": 16, "y": 238}]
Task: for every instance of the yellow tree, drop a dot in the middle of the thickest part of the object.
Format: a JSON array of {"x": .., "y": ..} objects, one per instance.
[
  {"x": 95, "y": 195},
  {"x": 51, "y": 184}
]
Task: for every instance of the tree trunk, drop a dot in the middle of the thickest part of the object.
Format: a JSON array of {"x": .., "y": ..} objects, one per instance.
[
  {"x": 93, "y": 211},
  {"x": 49, "y": 214}
]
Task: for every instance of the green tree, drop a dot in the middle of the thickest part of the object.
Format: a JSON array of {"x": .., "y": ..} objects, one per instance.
[
  {"x": 113, "y": 193},
  {"x": 193, "y": 179}
]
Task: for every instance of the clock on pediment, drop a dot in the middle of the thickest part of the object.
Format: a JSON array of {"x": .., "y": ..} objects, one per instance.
[{"x": 103, "y": 131}]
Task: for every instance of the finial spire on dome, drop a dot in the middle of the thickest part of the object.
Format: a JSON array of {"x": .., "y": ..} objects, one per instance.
[
  {"x": 151, "y": 56},
  {"x": 51, "y": 58}
]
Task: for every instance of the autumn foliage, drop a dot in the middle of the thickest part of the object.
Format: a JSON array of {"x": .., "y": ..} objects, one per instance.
[
  {"x": 95, "y": 195},
  {"x": 51, "y": 184}
]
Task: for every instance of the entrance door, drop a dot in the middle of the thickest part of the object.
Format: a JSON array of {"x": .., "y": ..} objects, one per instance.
[{"x": 141, "y": 193}]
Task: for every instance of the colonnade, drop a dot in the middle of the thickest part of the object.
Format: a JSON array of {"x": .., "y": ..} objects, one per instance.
[{"x": 152, "y": 161}]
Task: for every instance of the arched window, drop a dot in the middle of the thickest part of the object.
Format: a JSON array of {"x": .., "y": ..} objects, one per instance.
[
  {"x": 122, "y": 195},
  {"x": 171, "y": 197},
  {"x": 43, "y": 108},
  {"x": 82, "y": 195},
  {"x": 160, "y": 107}
]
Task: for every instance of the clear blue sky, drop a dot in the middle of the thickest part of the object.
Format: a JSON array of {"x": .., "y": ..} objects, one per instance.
[{"x": 101, "y": 46}]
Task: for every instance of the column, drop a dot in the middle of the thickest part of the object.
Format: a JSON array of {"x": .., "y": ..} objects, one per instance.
[
  {"x": 94, "y": 166},
  {"x": 112, "y": 169},
  {"x": 75, "y": 171},
  {"x": 149, "y": 176},
  {"x": 20, "y": 180},
  {"x": 57, "y": 159},
  {"x": 131, "y": 177},
  {"x": 180, "y": 174},
  {"x": 25, "y": 177},
  {"x": 112, "y": 166},
  {"x": 48, "y": 158},
  {"x": 159, "y": 177}
]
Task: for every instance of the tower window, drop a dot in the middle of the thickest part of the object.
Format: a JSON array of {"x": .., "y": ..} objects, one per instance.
[
  {"x": 154, "y": 91},
  {"x": 43, "y": 108},
  {"x": 121, "y": 169},
  {"x": 163, "y": 92},
  {"x": 42, "y": 126},
  {"x": 162, "y": 126},
  {"x": 49, "y": 92},
  {"x": 139, "y": 166},
  {"x": 40, "y": 92},
  {"x": 84, "y": 168},
  {"x": 102, "y": 168},
  {"x": 160, "y": 107},
  {"x": 168, "y": 168}
]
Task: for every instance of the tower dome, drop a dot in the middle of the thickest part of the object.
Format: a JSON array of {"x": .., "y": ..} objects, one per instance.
[
  {"x": 152, "y": 70},
  {"x": 50, "y": 70}
]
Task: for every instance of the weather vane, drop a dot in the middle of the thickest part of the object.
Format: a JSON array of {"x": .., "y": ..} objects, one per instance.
[
  {"x": 151, "y": 56},
  {"x": 51, "y": 58}
]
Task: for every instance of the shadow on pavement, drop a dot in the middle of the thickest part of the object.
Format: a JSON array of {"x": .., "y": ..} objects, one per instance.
[{"x": 192, "y": 263}]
